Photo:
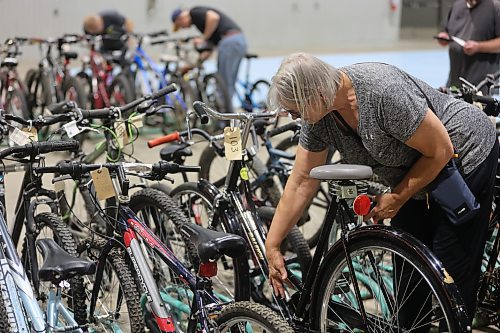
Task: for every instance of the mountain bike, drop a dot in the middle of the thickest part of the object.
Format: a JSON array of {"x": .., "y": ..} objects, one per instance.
[
  {"x": 252, "y": 95},
  {"x": 193, "y": 291}
]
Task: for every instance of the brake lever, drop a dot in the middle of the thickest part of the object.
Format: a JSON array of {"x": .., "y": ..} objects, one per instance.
[{"x": 61, "y": 178}]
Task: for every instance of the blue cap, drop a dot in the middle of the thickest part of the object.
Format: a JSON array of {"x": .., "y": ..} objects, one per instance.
[{"x": 175, "y": 14}]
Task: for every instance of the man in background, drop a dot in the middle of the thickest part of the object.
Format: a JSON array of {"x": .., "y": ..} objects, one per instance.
[
  {"x": 221, "y": 31},
  {"x": 477, "y": 23},
  {"x": 110, "y": 24}
]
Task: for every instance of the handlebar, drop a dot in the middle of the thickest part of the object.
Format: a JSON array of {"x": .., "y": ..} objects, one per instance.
[
  {"x": 490, "y": 79},
  {"x": 230, "y": 116},
  {"x": 37, "y": 148},
  {"x": 158, "y": 170},
  {"x": 200, "y": 112},
  {"x": 292, "y": 126}
]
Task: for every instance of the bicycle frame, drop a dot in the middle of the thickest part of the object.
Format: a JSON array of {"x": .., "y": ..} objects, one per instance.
[
  {"x": 130, "y": 226},
  {"x": 143, "y": 61}
]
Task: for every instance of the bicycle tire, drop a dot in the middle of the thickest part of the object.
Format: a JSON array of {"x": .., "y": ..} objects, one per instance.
[
  {"x": 4, "y": 319},
  {"x": 38, "y": 82},
  {"x": 243, "y": 313},
  {"x": 121, "y": 90},
  {"x": 216, "y": 92},
  {"x": 294, "y": 242},
  {"x": 119, "y": 267},
  {"x": 365, "y": 240},
  {"x": 20, "y": 108},
  {"x": 74, "y": 90},
  {"x": 240, "y": 268},
  {"x": 258, "y": 94},
  {"x": 63, "y": 237}
]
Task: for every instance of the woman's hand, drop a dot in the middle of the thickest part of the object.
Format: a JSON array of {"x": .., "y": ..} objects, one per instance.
[
  {"x": 277, "y": 271},
  {"x": 387, "y": 207}
]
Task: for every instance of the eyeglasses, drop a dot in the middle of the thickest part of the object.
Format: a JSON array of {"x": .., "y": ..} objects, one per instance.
[{"x": 293, "y": 113}]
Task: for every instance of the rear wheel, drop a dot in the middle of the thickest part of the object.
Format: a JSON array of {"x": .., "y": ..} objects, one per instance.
[
  {"x": 121, "y": 91},
  {"x": 258, "y": 94},
  {"x": 217, "y": 97}
]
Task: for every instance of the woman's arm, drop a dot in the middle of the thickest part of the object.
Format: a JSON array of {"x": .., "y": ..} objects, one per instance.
[
  {"x": 431, "y": 139},
  {"x": 299, "y": 191}
]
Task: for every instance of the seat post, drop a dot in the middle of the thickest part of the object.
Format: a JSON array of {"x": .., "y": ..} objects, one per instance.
[{"x": 53, "y": 305}]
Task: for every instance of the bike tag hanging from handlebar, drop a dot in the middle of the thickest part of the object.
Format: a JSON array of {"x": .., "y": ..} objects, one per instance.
[{"x": 232, "y": 144}]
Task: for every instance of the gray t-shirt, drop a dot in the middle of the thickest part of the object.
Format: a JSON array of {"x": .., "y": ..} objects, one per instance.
[{"x": 391, "y": 107}]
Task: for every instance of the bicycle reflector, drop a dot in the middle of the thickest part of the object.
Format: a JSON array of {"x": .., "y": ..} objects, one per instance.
[
  {"x": 208, "y": 269},
  {"x": 361, "y": 205}
]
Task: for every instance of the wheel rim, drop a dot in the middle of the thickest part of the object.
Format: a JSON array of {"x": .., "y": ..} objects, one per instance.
[{"x": 381, "y": 301}]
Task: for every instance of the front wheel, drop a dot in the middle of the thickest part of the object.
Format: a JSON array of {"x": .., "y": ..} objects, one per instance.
[
  {"x": 258, "y": 94},
  {"x": 251, "y": 317},
  {"x": 401, "y": 290}
]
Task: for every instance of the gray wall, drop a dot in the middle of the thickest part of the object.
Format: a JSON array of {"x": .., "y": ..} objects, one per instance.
[{"x": 272, "y": 26}]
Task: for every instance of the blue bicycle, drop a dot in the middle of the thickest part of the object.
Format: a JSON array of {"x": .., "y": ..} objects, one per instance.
[
  {"x": 252, "y": 95},
  {"x": 151, "y": 76}
]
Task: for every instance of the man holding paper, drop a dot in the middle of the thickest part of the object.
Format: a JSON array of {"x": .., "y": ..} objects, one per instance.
[{"x": 473, "y": 30}]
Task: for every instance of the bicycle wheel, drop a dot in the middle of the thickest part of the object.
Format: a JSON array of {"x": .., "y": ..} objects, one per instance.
[
  {"x": 49, "y": 225},
  {"x": 121, "y": 91},
  {"x": 386, "y": 289},
  {"x": 118, "y": 305},
  {"x": 229, "y": 284},
  {"x": 251, "y": 317},
  {"x": 163, "y": 216},
  {"x": 73, "y": 88},
  {"x": 17, "y": 105},
  {"x": 40, "y": 92},
  {"x": 258, "y": 94}
]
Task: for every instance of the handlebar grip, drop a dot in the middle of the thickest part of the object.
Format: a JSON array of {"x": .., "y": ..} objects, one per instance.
[
  {"x": 484, "y": 99},
  {"x": 97, "y": 113},
  {"x": 164, "y": 139},
  {"x": 164, "y": 91},
  {"x": 158, "y": 33},
  {"x": 199, "y": 108},
  {"x": 189, "y": 168},
  {"x": 288, "y": 127},
  {"x": 60, "y": 107},
  {"x": 52, "y": 146}
]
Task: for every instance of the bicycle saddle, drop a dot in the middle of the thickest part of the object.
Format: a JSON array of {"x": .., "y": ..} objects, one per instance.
[
  {"x": 69, "y": 55},
  {"x": 59, "y": 265},
  {"x": 251, "y": 56},
  {"x": 341, "y": 172},
  {"x": 175, "y": 151},
  {"x": 211, "y": 245}
]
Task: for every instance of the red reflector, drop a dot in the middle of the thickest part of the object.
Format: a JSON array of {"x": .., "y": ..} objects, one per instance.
[
  {"x": 208, "y": 269},
  {"x": 361, "y": 205}
]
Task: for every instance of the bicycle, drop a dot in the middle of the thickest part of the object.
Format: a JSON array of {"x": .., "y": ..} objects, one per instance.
[
  {"x": 348, "y": 285},
  {"x": 161, "y": 77},
  {"x": 105, "y": 89},
  {"x": 252, "y": 95},
  {"x": 51, "y": 82},
  {"x": 12, "y": 90},
  {"x": 134, "y": 234}
]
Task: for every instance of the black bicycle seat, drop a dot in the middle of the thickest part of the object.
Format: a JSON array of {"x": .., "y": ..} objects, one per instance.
[
  {"x": 69, "y": 55},
  {"x": 251, "y": 56},
  {"x": 59, "y": 265},
  {"x": 174, "y": 151},
  {"x": 211, "y": 245}
]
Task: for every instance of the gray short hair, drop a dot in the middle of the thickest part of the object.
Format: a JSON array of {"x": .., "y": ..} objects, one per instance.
[{"x": 305, "y": 81}]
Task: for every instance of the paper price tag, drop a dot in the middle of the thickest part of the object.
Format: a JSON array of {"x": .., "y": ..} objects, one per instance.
[
  {"x": 31, "y": 133},
  {"x": 137, "y": 121},
  {"x": 121, "y": 134},
  {"x": 72, "y": 129},
  {"x": 19, "y": 137},
  {"x": 232, "y": 144},
  {"x": 102, "y": 183}
]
